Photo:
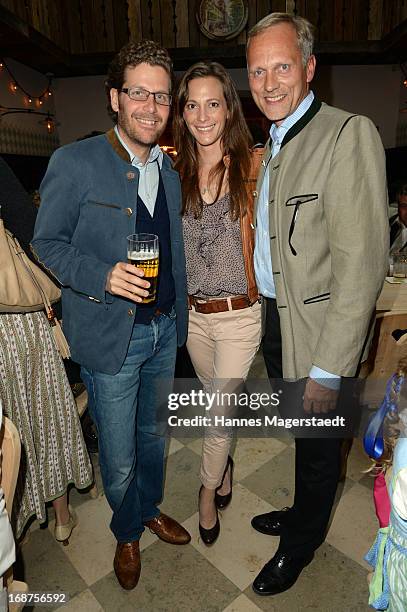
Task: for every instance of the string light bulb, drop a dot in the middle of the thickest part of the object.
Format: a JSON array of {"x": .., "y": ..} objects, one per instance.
[{"x": 49, "y": 123}]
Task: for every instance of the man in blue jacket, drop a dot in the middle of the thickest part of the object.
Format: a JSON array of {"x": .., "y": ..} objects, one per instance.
[{"x": 95, "y": 193}]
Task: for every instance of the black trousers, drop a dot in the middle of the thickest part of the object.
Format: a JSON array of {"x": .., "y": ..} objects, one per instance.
[{"x": 317, "y": 461}]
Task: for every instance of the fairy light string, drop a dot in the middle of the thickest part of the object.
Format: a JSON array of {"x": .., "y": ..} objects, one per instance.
[{"x": 29, "y": 98}]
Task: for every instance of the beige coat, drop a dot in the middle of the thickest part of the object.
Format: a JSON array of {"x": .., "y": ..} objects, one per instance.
[{"x": 328, "y": 189}]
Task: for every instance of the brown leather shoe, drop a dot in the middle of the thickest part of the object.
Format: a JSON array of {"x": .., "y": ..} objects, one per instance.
[
  {"x": 168, "y": 530},
  {"x": 127, "y": 564}
]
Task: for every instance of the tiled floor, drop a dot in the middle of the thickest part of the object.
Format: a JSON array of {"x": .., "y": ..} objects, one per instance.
[{"x": 197, "y": 578}]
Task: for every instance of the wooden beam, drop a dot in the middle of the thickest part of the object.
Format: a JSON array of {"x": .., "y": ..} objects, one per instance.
[{"x": 25, "y": 44}]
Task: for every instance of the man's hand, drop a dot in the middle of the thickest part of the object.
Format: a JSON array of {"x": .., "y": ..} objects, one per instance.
[
  {"x": 318, "y": 398},
  {"x": 126, "y": 280}
]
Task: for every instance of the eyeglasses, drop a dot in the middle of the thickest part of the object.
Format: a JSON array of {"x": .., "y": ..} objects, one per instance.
[{"x": 141, "y": 95}]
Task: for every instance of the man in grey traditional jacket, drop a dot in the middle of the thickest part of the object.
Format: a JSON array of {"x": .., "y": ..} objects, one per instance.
[{"x": 320, "y": 260}]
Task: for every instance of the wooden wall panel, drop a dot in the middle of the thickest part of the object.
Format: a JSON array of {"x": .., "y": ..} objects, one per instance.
[
  {"x": 17, "y": 7},
  {"x": 252, "y": 17},
  {"x": 182, "y": 23},
  {"x": 135, "y": 20},
  {"x": 375, "y": 19},
  {"x": 313, "y": 12},
  {"x": 96, "y": 26},
  {"x": 339, "y": 19},
  {"x": 90, "y": 26},
  {"x": 74, "y": 25},
  {"x": 151, "y": 19},
  {"x": 99, "y": 26},
  {"x": 263, "y": 9},
  {"x": 168, "y": 24},
  {"x": 39, "y": 16},
  {"x": 192, "y": 23},
  {"x": 57, "y": 22},
  {"x": 157, "y": 24},
  {"x": 278, "y": 6},
  {"x": 120, "y": 11},
  {"x": 109, "y": 25},
  {"x": 356, "y": 19},
  {"x": 388, "y": 12}
]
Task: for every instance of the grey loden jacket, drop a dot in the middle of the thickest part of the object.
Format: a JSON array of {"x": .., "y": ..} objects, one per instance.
[{"x": 329, "y": 238}]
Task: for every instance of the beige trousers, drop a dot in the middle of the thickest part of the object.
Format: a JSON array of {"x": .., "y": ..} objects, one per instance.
[{"x": 222, "y": 347}]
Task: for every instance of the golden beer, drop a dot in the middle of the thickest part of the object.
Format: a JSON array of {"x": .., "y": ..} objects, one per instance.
[{"x": 149, "y": 263}]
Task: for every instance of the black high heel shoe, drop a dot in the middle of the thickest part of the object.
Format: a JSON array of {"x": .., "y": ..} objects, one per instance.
[
  {"x": 209, "y": 536},
  {"x": 222, "y": 501}
]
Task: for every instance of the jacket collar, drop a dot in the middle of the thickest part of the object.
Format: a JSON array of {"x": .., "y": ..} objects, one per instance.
[
  {"x": 117, "y": 146},
  {"x": 123, "y": 154},
  {"x": 302, "y": 122},
  {"x": 292, "y": 132}
]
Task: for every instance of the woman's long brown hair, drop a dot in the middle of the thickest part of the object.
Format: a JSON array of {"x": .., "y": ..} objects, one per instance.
[{"x": 236, "y": 142}]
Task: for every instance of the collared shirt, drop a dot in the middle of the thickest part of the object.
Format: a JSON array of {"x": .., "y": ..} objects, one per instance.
[
  {"x": 149, "y": 173},
  {"x": 262, "y": 252}
]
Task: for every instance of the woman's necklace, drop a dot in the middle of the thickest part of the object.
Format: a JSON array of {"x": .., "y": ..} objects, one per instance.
[
  {"x": 207, "y": 190},
  {"x": 210, "y": 190}
]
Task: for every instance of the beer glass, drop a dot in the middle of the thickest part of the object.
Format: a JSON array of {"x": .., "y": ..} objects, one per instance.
[
  {"x": 143, "y": 252},
  {"x": 399, "y": 266}
]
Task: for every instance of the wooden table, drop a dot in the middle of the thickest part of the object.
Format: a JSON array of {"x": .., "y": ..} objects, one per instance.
[
  {"x": 393, "y": 298},
  {"x": 391, "y": 314}
]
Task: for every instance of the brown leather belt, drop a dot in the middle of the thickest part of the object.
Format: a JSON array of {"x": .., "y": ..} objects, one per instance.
[{"x": 222, "y": 305}]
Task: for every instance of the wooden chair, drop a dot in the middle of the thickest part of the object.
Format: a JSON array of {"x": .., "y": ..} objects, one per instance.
[{"x": 11, "y": 453}]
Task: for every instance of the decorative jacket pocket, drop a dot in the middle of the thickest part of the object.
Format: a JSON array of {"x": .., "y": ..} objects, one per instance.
[
  {"x": 105, "y": 204},
  {"x": 296, "y": 201},
  {"x": 318, "y": 298}
]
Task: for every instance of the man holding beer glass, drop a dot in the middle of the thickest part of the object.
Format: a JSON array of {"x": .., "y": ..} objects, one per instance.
[{"x": 111, "y": 205}]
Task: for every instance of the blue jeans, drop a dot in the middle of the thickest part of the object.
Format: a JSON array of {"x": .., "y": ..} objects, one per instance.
[{"x": 124, "y": 408}]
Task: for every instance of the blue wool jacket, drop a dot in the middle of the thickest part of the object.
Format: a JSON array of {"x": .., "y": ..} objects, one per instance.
[{"x": 88, "y": 208}]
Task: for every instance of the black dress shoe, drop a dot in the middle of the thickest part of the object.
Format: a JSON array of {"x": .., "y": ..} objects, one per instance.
[
  {"x": 221, "y": 501},
  {"x": 270, "y": 523},
  {"x": 209, "y": 536},
  {"x": 280, "y": 573}
]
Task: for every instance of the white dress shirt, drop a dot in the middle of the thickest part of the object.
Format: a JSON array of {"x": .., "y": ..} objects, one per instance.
[{"x": 149, "y": 173}]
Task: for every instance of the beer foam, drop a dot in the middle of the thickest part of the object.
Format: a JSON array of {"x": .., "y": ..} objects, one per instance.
[{"x": 142, "y": 255}]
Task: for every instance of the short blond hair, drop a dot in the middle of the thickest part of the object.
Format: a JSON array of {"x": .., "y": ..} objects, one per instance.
[{"x": 304, "y": 30}]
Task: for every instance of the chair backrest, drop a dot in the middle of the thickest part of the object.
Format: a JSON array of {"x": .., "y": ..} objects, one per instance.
[
  {"x": 81, "y": 402},
  {"x": 10, "y": 462}
]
